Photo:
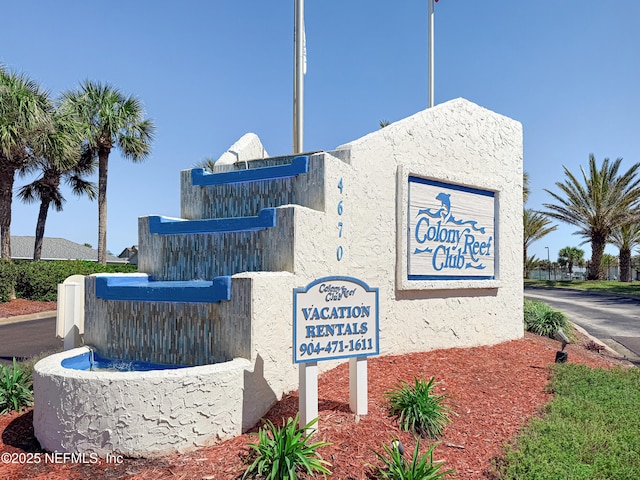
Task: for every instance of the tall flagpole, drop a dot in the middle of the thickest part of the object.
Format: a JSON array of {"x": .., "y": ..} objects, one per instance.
[
  {"x": 298, "y": 77},
  {"x": 430, "y": 56}
]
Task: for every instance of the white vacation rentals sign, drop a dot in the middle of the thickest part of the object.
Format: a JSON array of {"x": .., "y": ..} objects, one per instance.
[
  {"x": 335, "y": 317},
  {"x": 451, "y": 232}
]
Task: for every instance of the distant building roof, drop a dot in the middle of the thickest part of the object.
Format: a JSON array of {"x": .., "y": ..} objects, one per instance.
[
  {"x": 130, "y": 254},
  {"x": 55, "y": 249}
]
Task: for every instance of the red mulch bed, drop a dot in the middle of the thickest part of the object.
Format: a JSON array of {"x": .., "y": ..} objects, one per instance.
[
  {"x": 21, "y": 306},
  {"x": 493, "y": 390}
]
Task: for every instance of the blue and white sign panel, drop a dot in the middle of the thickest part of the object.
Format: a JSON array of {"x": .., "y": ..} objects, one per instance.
[
  {"x": 451, "y": 232},
  {"x": 335, "y": 317}
]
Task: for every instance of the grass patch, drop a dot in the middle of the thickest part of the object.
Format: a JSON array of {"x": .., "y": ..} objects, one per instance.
[
  {"x": 612, "y": 286},
  {"x": 590, "y": 430}
]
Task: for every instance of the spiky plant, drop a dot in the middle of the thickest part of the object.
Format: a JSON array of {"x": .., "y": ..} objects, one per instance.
[
  {"x": 421, "y": 467},
  {"x": 541, "y": 319},
  {"x": 282, "y": 452},
  {"x": 15, "y": 389},
  {"x": 418, "y": 408}
]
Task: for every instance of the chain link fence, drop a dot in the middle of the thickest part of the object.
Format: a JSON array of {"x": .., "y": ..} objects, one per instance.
[{"x": 610, "y": 268}]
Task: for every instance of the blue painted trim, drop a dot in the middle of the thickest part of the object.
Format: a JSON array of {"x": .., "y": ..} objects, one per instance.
[
  {"x": 451, "y": 186},
  {"x": 144, "y": 289},
  {"x": 367, "y": 288},
  {"x": 170, "y": 226},
  {"x": 298, "y": 166},
  {"x": 449, "y": 277}
]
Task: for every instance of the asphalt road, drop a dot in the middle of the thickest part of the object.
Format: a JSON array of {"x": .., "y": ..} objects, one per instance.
[
  {"x": 28, "y": 338},
  {"x": 614, "y": 320}
]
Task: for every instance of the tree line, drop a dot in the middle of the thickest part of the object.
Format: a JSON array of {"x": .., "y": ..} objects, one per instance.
[
  {"x": 603, "y": 203},
  {"x": 63, "y": 140}
]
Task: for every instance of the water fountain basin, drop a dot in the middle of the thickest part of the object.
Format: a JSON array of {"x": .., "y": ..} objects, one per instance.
[{"x": 137, "y": 413}]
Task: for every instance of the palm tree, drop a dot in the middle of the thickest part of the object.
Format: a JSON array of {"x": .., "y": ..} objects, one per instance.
[
  {"x": 26, "y": 133},
  {"x": 607, "y": 261},
  {"x": 111, "y": 119},
  {"x": 46, "y": 189},
  {"x": 208, "y": 163},
  {"x": 600, "y": 203},
  {"x": 535, "y": 226},
  {"x": 571, "y": 256},
  {"x": 525, "y": 187},
  {"x": 626, "y": 238},
  {"x": 531, "y": 263}
]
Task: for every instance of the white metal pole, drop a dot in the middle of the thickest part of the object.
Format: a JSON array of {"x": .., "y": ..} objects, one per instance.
[
  {"x": 430, "y": 55},
  {"x": 358, "y": 398},
  {"x": 308, "y": 394},
  {"x": 298, "y": 79}
]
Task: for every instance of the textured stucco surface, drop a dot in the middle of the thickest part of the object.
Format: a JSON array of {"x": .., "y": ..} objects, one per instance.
[
  {"x": 456, "y": 142},
  {"x": 136, "y": 413}
]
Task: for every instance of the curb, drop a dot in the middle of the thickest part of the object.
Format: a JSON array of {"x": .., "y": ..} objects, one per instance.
[
  {"x": 623, "y": 353},
  {"x": 26, "y": 318}
]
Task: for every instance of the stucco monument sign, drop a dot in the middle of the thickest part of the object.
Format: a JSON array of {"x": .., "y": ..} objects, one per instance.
[
  {"x": 334, "y": 318},
  {"x": 263, "y": 281}
]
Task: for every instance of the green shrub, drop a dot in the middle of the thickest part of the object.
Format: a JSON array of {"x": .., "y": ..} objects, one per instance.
[
  {"x": 15, "y": 389},
  {"x": 421, "y": 467},
  {"x": 283, "y": 451},
  {"x": 418, "y": 409},
  {"x": 39, "y": 280},
  {"x": 541, "y": 319},
  {"x": 8, "y": 275}
]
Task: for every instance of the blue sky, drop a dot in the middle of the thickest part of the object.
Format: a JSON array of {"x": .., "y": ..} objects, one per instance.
[{"x": 208, "y": 72}]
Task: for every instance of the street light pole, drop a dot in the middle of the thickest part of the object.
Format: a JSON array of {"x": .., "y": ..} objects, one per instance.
[
  {"x": 298, "y": 77},
  {"x": 548, "y": 263}
]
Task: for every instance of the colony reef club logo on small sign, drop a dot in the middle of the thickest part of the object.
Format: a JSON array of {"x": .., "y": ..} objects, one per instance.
[
  {"x": 451, "y": 231},
  {"x": 334, "y": 317}
]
